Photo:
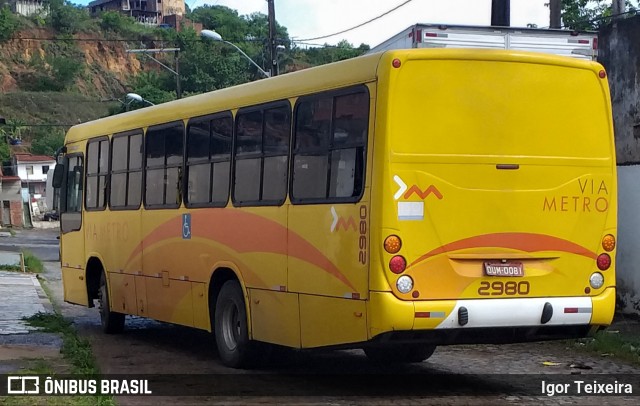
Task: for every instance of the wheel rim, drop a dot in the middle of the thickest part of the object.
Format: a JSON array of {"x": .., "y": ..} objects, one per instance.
[{"x": 230, "y": 325}]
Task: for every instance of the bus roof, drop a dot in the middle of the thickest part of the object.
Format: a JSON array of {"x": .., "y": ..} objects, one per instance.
[{"x": 326, "y": 77}]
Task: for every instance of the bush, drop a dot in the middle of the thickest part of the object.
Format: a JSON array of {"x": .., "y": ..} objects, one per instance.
[
  {"x": 9, "y": 23},
  {"x": 115, "y": 21},
  {"x": 47, "y": 140},
  {"x": 68, "y": 18}
]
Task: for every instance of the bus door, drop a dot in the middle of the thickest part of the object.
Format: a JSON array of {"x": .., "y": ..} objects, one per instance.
[{"x": 72, "y": 236}]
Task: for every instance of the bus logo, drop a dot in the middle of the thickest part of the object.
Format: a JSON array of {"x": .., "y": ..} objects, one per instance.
[
  {"x": 406, "y": 192},
  {"x": 340, "y": 222}
]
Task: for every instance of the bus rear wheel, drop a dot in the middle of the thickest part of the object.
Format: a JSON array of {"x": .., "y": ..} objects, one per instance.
[
  {"x": 112, "y": 322},
  {"x": 235, "y": 348},
  {"x": 409, "y": 353}
]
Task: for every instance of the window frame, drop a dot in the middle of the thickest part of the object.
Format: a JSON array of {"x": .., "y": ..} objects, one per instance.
[
  {"x": 107, "y": 175},
  {"x": 145, "y": 167},
  {"x": 185, "y": 178},
  {"x": 361, "y": 88},
  {"x": 129, "y": 134},
  {"x": 72, "y": 224},
  {"x": 249, "y": 109}
]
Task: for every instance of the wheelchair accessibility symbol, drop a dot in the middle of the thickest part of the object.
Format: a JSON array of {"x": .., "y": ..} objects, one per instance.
[{"x": 186, "y": 226}]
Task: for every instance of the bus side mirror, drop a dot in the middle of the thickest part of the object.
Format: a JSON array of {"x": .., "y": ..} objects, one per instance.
[{"x": 58, "y": 174}]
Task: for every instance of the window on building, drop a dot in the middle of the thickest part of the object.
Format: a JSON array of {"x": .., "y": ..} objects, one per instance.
[
  {"x": 126, "y": 171},
  {"x": 329, "y": 148},
  {"x": 164, "y": 154},
  {"x": 209, "y": 160},
  {"x": 29, "y": 170},
  {"x": 45, "y": 169},
  {"x": 97, "y": 173},
  {"x": 261, "y": 155}
]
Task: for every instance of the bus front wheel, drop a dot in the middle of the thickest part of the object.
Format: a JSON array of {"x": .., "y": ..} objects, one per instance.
[
  {"x": 235, "y": 348},
  {"x": 112, "y": 322},
  {"x": 408, "y": 353}
]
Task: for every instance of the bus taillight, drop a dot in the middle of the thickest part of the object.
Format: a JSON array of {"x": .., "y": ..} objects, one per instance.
[
  {"x": 609, "y": 242},
  {"x": 604, "y": 262},
  {"x": 397, "y": 264},
  {"x": 392, "y": 244}
]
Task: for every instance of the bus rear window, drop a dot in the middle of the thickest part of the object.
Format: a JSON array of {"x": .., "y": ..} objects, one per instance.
[{"x": 458, "y": 107}]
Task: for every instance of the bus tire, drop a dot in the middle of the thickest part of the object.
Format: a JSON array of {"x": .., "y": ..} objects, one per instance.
[
  {"x": 396, "y": 354},
  {"x": 235, "y": 348},
  {"x": 112, "y": 322}
]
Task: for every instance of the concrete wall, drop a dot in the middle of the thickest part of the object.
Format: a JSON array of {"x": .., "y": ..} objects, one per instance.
[
  {"x": 620, "y": 54},
  {"x": 30, "y": 7},
  {"x": 628, "y": 257},
  {"x": 10, "y": 191}
]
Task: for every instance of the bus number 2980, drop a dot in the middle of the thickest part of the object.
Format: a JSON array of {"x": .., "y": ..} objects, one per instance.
[{"x": 499, "y": 288}]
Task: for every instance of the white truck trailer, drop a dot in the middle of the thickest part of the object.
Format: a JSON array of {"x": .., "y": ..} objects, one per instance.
[{"x": 576, "y": 44}]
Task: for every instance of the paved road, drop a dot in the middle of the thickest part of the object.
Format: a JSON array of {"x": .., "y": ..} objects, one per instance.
[
  {"x": 42, "y": 243},
  {"x": 473, "y": 374}
]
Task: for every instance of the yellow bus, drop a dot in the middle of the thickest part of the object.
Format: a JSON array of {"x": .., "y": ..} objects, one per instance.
[{"x": 393, "y": 202}]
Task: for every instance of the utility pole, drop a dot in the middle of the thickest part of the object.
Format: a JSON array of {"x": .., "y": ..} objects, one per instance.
[
  {"x": 555, "y": 11},
  {"x": 501, "y": 13},
  {"x": 617, "y": 8},
  {"x": 272, "y": 39},
  {"x": 178, "y": 85}
]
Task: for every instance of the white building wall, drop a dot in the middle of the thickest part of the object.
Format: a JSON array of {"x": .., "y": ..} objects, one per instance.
[
  {"x": 27, "y": 8},
  {"x": 628, "y": 252},
  {"x": 38, "y": 175}
]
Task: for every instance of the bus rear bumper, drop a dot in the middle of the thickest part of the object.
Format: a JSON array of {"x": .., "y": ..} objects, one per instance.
[{"x": 489, "y": 320}]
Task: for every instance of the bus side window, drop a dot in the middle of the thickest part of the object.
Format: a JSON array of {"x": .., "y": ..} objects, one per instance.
[
  {"x": 330, "y": 147},
  {"x": 164, "y": 151},
  {"x": 126, "y": 170},
  {"x": 209, "y": 160},
  {"x": 262, "y": 155}
]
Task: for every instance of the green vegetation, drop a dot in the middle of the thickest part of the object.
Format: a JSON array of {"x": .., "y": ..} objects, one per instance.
[
  {"x": 613, "y": 343},
  {"x": 76, "y": 350},
  {"x": 588, "y": 14},
  {"x": 68, "y": 18},
  {"x": 32, "y": 263},
  {"x": 57, "y": 77},
  {"x": 9, "y": 23}
]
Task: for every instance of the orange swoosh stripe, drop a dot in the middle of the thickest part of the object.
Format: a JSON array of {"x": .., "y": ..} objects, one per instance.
[
  {"x": 244, "y": 232},
  {"x": 528, "y": 242}
]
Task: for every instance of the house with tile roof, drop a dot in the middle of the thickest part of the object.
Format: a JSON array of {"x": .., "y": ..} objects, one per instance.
[{"x": 32, "y": 171}]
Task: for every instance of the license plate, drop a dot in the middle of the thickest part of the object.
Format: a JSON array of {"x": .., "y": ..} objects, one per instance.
[{"x": 503, "y": 269}]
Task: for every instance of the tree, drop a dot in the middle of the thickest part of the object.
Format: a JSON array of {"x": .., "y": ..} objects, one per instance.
[
  {"x": 223, "y": 20},
  {"x": 68, "y": 18},
  {"x": 47, "y": 141},
  {"x": 588, "y": 14},
  {"x": 9, "y": 23}
]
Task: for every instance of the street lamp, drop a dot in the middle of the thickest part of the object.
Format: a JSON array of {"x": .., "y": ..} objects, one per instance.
[
  {"x": 175, "y": 72},
  {"x": 136, "y": 97},
  {"x": 217, "y": 37}
]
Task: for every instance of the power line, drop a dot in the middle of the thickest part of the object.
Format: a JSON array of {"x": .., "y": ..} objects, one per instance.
[
  {"x": 359, "y": 25},
  {"x": 598, "y": 18},
  {"x": 38, "y": 125}
]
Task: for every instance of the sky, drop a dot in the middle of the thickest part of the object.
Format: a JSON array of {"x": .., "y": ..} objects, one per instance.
[{"x": 314, "y": 18}]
